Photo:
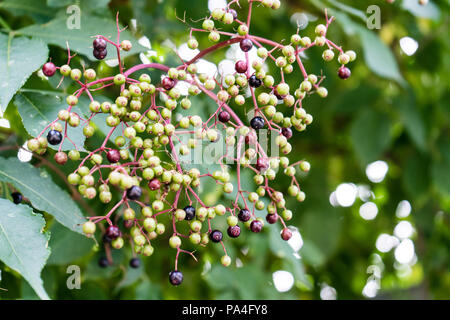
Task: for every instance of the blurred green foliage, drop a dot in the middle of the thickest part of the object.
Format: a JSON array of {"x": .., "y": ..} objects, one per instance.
[{"x": 394, "y": 108}]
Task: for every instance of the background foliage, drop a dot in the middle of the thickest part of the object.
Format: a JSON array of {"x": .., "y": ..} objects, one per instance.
[{"x": 394, "y": 108}]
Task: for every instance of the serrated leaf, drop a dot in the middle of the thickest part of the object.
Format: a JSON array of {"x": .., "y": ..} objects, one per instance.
[
  {"x": 19, "y": 58},
  {"x": 63, "y": 249},
  {"x": 23, "y": 245},
  {"x": 370, "y": 135},
  {"x": 39, "y": 109},
  {"x": 43, "y": 193},
  {"x": 57, "y": 32}
]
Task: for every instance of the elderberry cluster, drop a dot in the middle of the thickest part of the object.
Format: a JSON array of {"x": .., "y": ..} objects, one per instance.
[{"x": 142, "y": 165}]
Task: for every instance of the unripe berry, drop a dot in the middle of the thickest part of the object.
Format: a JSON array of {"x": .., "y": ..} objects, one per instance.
[
  {"x": 175, "y": 241},
  {"x": 126, "y": 45},
  {"x": 225, "y": 260},
  {"x": 321, "y": 30},
  {"x": 328, "y": 55},
  {"x": 89, "y": 227}
]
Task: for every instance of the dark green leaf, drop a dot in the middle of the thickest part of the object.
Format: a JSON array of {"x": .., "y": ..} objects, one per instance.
[
  {"x": 43, "y": 193},
  {"x": 23, "y": 245}
]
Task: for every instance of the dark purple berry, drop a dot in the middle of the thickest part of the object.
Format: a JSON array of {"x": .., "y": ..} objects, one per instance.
[
  {"x": 112, "y": 232},
  {"x": 154, "y": 184},
  {"x": 49, "y": 69},
  {"x": 262, "y": 164},
  {"x": 99, "y": 44},
  {"x": 224, "y": 116},
  {"x": 286, "y": 234},
  {"x": 113, "y": 155},
  {"x": 256, "y": 226},
  {"x": 17, "y": 197},
  {"x": 54, "y": 137},
  {"x": 272, "y": 218},
  {"x": 168, "y": 83},
  {"x": 190, "y": 212},
  {"x": 287, "y": 132},
  {"x": 216, "y": 236},
  {"x": 257, "y": 123},
  {"x": 135, "y": 263},
  {"x": 246, "y": 45},
  {"x": 241, "y": 66},
  {"x": 134, "y": 193},
  {"x": 344, "y": 73},
  {"x": 175, "y": 278},
  {"x": 244, "y": 215},
  {"x": 254, "y": 82},
  {"x": 103, "y": 262},
  {"x": 100, "y": 54},
  {"x": 234, "y": 231}
]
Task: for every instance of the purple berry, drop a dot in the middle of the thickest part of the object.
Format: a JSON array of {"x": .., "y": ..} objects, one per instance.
[
  {"x": 246, "y": 45},
  {"x": 190, "y": 212},
  {"x": 241, "y": 66},
  {"x": 254, "y": 82},
  {"x": 113, "y": 156},
  {"x": 262, "y": 164},
  {"x": 100, "y": 54},
  {"x": 135, "y": 263},
  {"x": 256, "y": 226},
  {"x": 257, "y": 123},
  {"x": 99, "y": 44},
  {"x": 216, "y": 236},
  {"x": 54, "y": 137},
  {"x": 168, "y": 83},
  {"x": 154, "y": 184},
  {"x": 272, "y": 218},
  {"x": 17, "y": 197},
  {"x": 234, "y": 231},
  {"x": 113, "y": 232},
  {"x": 224, "y": 116},
  {"x": 287, "y": 132},
  {"x": 244, "y": 215},
  {"x": 286, "y": 234},
  {"x": 134, "y": 193},
  {"x": 175, "y": 278},
  {"x": 344, "y": 73},
  {"x": 49, "y": 69}
]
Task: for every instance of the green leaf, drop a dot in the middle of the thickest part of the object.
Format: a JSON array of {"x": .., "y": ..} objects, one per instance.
[
  {"x": 379, "y": 58},
  {"x": 85, "y": 5},
  {"x": 67, "y": 246},
  {"x": 413, "y": 121},
  {"x": 56, "y": 32},
  {"x": 429, "y": 11},
  {"x": 34, "y": 8},
  {"x": 416, "y": 176},
  {"x": 19, "y": 58},
  {"x": 440, "y": 169},
  {"x": 43, "y": 193},
  {"x": 370, "y": 135},
  {"x": 23, "y": 245},
  {"x": 39, "y": 109}
]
